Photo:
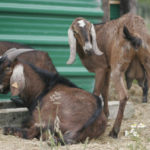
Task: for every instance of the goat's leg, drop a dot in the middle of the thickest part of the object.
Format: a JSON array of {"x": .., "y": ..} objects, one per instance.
[
  {"x": 100, "y": 76},
  {"x": 105, "y": 92},
  {"x": 123, "y": 97},
  {"x": 22, "y": 132},
  {"x": 145, "y": 91}
]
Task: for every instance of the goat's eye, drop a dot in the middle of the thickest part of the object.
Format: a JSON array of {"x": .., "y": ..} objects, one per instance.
[{"x": 75, "y": 32}]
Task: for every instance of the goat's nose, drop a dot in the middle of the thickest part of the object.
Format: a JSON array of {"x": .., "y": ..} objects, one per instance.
[
  {"x": 89, "y": 52},
  {"x": 87, "y": 47}
]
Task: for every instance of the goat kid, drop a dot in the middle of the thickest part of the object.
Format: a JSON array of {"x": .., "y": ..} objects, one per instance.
[
  {"x": 119, "y": 47},
  {"x": 58, "y": 102},
  {"x": 82, "y": 39}
]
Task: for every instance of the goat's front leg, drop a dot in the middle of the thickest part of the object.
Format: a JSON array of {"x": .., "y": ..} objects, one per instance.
[
  {"x": 105, "y": 91},
  {"x": 145, "y": 91},
  {"x": 21, "y": 132},
  {"x": 123, "y": 97},
  {"x": 100, "y": 78}
]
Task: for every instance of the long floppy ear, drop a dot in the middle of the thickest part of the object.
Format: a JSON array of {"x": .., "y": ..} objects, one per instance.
[
  {"x": 17, "y": 80},
  {"x": 94, "y": 42},
  {"x": 72, "y": 44}
]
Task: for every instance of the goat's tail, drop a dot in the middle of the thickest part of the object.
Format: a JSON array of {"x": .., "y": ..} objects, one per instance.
[
  {"x": 95, "y": 114},
  {"x": 135, "y": 41}
]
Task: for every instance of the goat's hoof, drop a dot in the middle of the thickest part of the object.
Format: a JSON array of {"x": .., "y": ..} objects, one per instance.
[
  {"x": 7, "y": 131},
  {"x": 144, "y": 100},
  {"x": 113, "y": 134}
]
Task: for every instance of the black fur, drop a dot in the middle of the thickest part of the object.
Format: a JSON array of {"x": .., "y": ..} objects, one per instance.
[
  {"x": 52, "y": 79},
  {"x": 135, "y": 41},
  {"x": 95, "y": 114}
]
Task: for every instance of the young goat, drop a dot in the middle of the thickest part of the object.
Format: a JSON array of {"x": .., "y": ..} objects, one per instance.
[
  {"x": 117, "y": 47},
  {"x": 55, "y": 104}
]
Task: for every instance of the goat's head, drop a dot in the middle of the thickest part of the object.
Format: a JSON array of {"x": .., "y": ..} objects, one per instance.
[
  {"x": 11, "y": 73},
  {"x": 83, "y": 32}
]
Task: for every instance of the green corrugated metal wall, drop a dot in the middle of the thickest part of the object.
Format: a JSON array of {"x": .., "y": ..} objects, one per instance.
[{"x": 43, "y": 24}]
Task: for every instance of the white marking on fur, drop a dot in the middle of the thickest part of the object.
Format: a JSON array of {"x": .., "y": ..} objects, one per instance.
[
  {"x": 1, "y": 57},
  {"x": 72, "y": 44},
  {"x": 87, "y": 46},
  {"x": 94, "y": 41},
  {"x": 81, "y": 23},
  {"x": 55, "y": 97},
  {"x": 18, "y": 76}
]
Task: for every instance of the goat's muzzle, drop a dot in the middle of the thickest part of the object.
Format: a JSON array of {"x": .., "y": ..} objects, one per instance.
[{"x": 88, "y": 49}]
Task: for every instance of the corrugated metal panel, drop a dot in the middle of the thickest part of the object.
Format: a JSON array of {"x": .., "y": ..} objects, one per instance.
[
  {"x": 114, "y": 9},
  {"x": 43, "y": 24}
]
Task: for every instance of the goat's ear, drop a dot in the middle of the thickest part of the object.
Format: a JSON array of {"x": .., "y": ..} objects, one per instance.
[
  {"x": 72, "y": 44},
  {"x": 94, "y": 42},
  {"x": 17, "y": 80}
]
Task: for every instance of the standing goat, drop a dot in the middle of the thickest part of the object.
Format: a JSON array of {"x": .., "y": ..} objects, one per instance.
[
  {"x": 58, "y": 102},
  {"x": 119, "y": 47}
]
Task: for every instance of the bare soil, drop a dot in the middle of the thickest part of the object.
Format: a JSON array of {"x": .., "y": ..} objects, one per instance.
[{"x": 142, "y": 115}]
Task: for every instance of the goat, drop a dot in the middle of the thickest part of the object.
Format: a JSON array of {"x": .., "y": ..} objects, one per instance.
[
  {"x": 118, "y": 41},
  {"x": 60, "y": 104},
  {"x": 38, "y": 58}
]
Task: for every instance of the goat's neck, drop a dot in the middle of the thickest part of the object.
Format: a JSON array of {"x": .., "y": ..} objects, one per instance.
[{"x": 33, "y": 88}]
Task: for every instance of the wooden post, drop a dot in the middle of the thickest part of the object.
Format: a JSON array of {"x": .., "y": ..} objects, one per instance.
[{"x": 106, "y": 9}]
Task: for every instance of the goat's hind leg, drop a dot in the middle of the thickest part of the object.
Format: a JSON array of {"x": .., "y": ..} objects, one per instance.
[
  {"x": 101, "y": 76},
  {"x": 145, "y": 92},
  {"x": 123, "y": 97}
]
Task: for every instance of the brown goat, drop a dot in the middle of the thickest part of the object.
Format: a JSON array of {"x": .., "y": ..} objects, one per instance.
[
  {"x": 119, "y": 47},
  {"x": 58, "y": 102}
]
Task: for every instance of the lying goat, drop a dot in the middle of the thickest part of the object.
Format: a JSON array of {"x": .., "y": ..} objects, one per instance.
[
  {"x": 57, "y": 105},
  {"x": 38, "y": 58},
  {"x": 117, "y": 49}
]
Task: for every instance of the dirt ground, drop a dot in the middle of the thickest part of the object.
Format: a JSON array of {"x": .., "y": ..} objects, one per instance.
[{"x": 138, "y": 138}]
